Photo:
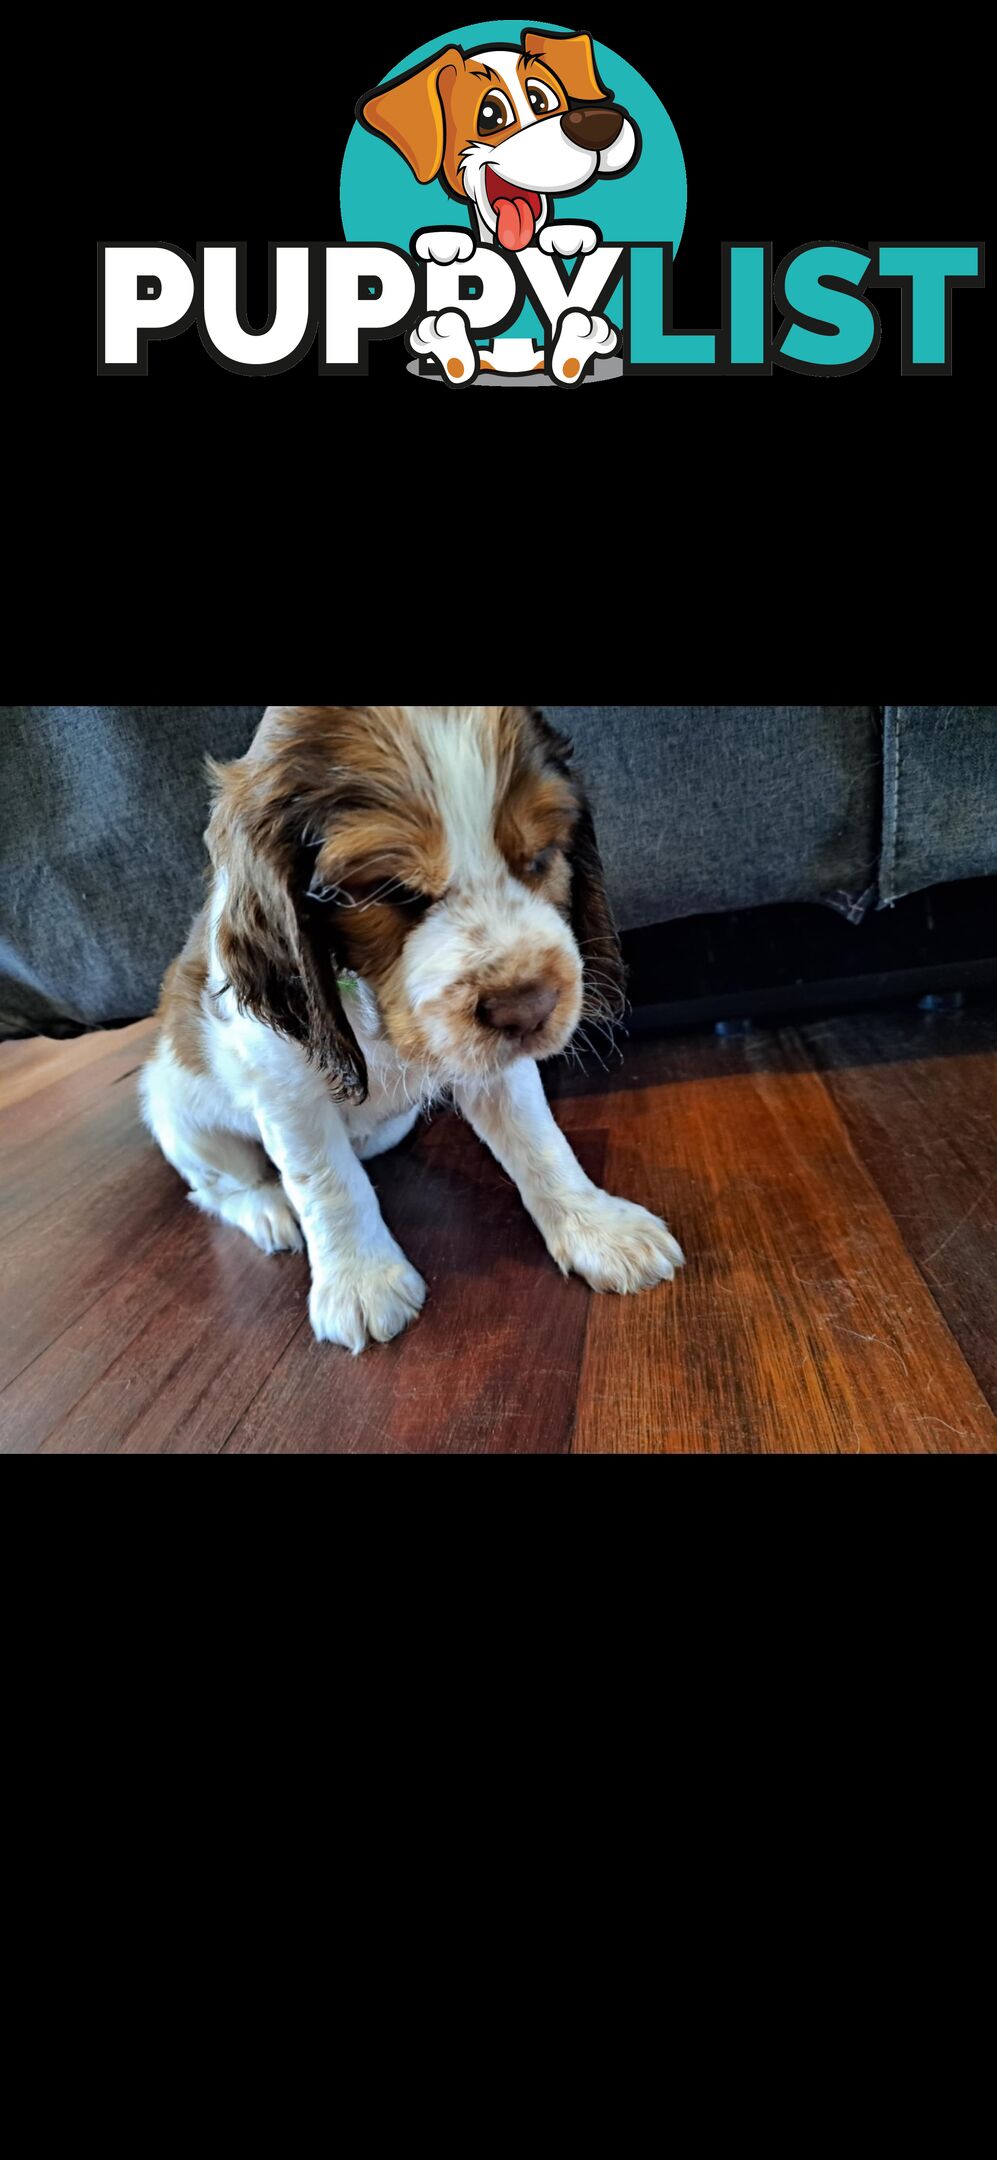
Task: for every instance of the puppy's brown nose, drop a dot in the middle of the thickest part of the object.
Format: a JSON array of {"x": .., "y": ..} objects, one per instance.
[
  {"x": 592, "y": 127},
  {"x": 518, "y": 1013}
]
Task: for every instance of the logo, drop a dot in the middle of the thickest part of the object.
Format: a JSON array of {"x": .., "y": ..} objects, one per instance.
[{"x": 513, "y": 202}]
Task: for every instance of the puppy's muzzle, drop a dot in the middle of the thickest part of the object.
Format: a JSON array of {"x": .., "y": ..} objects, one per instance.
[
  {"x": 592, "y": 127},
  {"x": 520, "y": 1014}
]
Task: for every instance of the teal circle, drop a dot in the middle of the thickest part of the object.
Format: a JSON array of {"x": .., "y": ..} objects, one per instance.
[{"x": 381, "y": 199}]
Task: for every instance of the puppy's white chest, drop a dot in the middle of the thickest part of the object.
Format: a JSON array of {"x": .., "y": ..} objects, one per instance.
[{"x": 396, "y": 1095}]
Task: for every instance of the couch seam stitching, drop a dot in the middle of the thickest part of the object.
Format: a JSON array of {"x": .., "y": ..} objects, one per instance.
[{"x": 893, "y": 821}]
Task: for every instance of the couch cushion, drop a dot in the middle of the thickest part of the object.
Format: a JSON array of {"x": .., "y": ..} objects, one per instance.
[
  {"x": 940, "y": 796},
  {"x": 102, "y": 815},
  {"x": 706, "y": 807}
]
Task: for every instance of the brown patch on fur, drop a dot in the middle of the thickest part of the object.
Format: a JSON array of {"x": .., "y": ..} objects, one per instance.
[
  {"x": 371, "y": 940},
  {"x": 352, "y": 783},
  {"x": 272, "y": 942},
  {"x": 546, "y": 805},
  {"x": 592, "y": 922},
  {"x": 381, "y": 830},
  {"x": 330, "y": 800},
  {"x": 537, "y": 805},
  {"x": 181, "y": 1010},
  {"x": 372, "y": 848}
]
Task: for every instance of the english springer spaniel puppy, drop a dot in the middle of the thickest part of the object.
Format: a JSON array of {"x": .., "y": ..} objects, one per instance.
[{"x": 407, "y": 905}]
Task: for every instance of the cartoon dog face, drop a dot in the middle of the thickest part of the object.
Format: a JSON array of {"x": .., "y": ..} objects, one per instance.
[{"x": 505, "y": 128}]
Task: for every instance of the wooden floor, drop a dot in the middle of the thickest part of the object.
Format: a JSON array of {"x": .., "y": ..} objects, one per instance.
[{"x": 834, "y": 1185}]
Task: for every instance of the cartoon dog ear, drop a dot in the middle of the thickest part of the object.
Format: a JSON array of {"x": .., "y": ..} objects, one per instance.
[
  {"x": 411, "y": 112},
  {"x": 571, "y": 59},
  {"x": 272, "y": 940}
]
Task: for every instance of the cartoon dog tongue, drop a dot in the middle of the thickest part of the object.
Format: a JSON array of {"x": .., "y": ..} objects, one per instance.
[{"x": 515, "y": 221}]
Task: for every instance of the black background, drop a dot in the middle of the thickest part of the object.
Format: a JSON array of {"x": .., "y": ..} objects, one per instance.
[{"x": 652, "y": 538}]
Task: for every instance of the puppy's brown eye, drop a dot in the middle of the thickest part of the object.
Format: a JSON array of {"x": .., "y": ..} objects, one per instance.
[
  {"x": 542, "y": 98},
  {"x": 496, "y": 112},
  {"x": 380, "y": 892},
  {"x": 414, "y": 903},
  {"x": 541, "y": 862}
]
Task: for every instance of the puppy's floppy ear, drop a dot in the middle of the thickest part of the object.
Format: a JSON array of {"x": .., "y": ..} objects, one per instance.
[
  {"x": 592, "y": 918},
  {"x": 591, "y": 915},
  {"x": 272, "y": 939},
  {"x": 411, "y": 112},
  {"x": 571, "y": 59}
]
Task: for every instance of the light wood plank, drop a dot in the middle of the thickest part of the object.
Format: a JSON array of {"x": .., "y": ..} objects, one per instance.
[{"x": 801, "y": 1323}]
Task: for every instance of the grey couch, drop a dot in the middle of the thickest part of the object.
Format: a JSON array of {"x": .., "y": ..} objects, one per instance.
[{"x": 700, "y": 808}]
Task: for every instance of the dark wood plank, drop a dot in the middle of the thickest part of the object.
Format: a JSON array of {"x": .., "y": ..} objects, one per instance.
[
  {"x": 492, "y": 1365},
  {"x": 801, "y": 1323},
  {"x": 167, "y": 1359},
  {"x": 130, "y": 1321},
  {"x": 918, "y": 1095},
  {"x": 58, "y": 1262}
]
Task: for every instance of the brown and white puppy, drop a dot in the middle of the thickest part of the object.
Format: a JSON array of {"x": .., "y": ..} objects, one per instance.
[{"x": 407, "y": 904}]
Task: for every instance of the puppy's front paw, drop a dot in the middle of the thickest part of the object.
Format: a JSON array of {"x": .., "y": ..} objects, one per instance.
[
  {"x": 446, "y": 337},
  {"x": 567, "y": 239},
  {"x": 614, "y": 1245},
  {"x": 580, "y": 339},
  {"x": 369, "y": 1299},
  {"x": 444, "y": 246}
]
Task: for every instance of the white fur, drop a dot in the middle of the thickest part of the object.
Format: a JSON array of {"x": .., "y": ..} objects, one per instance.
[{"x": 265, "y": 1147}]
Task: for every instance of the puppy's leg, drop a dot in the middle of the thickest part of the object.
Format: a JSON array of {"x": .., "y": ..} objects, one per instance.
[
  {"x": 448, "y": 338},
  {"x": 363, "y": 1288},
  {"x": 388, "y": 1136},
  {"x": 580, "y": 339},
  {"x": 263, "y": 1210},
  {"x": 613, "y": 1244},
  {"x": 228, "y": 1173}
]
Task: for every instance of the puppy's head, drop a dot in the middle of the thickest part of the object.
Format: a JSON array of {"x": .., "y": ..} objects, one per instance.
[
  {"x": 504, "y": 128},
  {"x": 446, "y": 855}
]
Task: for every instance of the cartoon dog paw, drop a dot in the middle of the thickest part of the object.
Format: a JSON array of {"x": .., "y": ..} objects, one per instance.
[
  {"x": 580, "y": 338},
  {"x": 444, "y": 247},
  {"x": 446, "y": 337},
  {"x": 567, "y": 239}
]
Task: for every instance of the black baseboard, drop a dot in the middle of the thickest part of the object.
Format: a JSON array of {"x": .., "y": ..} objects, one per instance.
[{"x": 781, "y": 960}]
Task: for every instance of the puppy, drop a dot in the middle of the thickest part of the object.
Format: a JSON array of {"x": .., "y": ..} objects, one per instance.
[
  {"x": 505, "y": 129},
  {"x": 407, "y": 904}
]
